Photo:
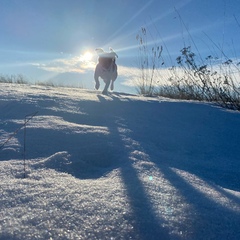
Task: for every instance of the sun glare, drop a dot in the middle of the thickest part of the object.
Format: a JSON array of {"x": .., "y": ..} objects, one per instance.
[{"x": 87, "y": 56}]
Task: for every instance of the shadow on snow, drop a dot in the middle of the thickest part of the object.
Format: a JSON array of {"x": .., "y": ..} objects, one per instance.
[{"x": 200, "y": 142}]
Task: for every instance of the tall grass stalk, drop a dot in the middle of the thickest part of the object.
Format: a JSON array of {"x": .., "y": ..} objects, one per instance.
[
  {"x": 149, "y": 59},
  {"x": 192, "y": 77}
]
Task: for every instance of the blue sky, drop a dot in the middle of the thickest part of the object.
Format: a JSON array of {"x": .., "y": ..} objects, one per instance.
[{"x": 46, "y": 40}]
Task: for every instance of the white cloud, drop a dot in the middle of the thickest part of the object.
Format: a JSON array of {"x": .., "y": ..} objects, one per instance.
[
  {"x": 133, "y": 76},
  {"x": 130, "y": 74},
  {"x": 61, "y": 65}
]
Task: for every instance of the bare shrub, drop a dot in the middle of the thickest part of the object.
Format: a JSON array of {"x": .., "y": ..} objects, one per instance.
[
  {"x": 192, "y": 77},
  {"x": 19, "y": 79}
]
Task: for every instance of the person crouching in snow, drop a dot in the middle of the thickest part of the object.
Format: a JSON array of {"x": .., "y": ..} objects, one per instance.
[{"x": 106, "y": 69}]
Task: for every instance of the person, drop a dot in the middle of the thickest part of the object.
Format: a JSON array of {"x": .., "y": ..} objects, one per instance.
[{"x": 106, "y": 69}]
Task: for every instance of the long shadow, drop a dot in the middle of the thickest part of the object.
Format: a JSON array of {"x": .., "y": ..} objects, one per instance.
[
  {"x": 207, "y": 211},
  {"x": 143, "y": 218},
  {"x": 196, "y": 156},
  {"x": 90, "y": 153},
  {"x": 107, "y": 148},
  {"x": 211, "y": 220},
  {"x": 198, "y": 142}
]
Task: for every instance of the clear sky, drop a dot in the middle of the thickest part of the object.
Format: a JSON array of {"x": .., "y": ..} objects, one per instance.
[{"x": 46, "y": 40}]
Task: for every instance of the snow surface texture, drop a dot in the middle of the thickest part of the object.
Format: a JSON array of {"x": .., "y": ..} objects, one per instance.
[{"x": 116, "y": 167}]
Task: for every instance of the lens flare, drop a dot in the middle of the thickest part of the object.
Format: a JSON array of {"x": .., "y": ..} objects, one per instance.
[{"x": 87, "y": 56}]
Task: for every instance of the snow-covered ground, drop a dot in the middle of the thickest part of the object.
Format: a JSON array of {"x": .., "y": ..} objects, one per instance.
[{"x": 116, "y": 167}]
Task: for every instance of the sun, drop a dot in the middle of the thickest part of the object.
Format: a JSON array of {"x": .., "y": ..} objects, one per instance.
[{"x": 87, "y": 56}]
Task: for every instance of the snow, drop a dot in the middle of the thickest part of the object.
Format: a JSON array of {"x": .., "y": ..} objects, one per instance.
[{"x": 116, "y": 167}]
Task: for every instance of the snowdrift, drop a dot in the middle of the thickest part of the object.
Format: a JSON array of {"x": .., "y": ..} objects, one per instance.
[{"x": 116, "y": 167}]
